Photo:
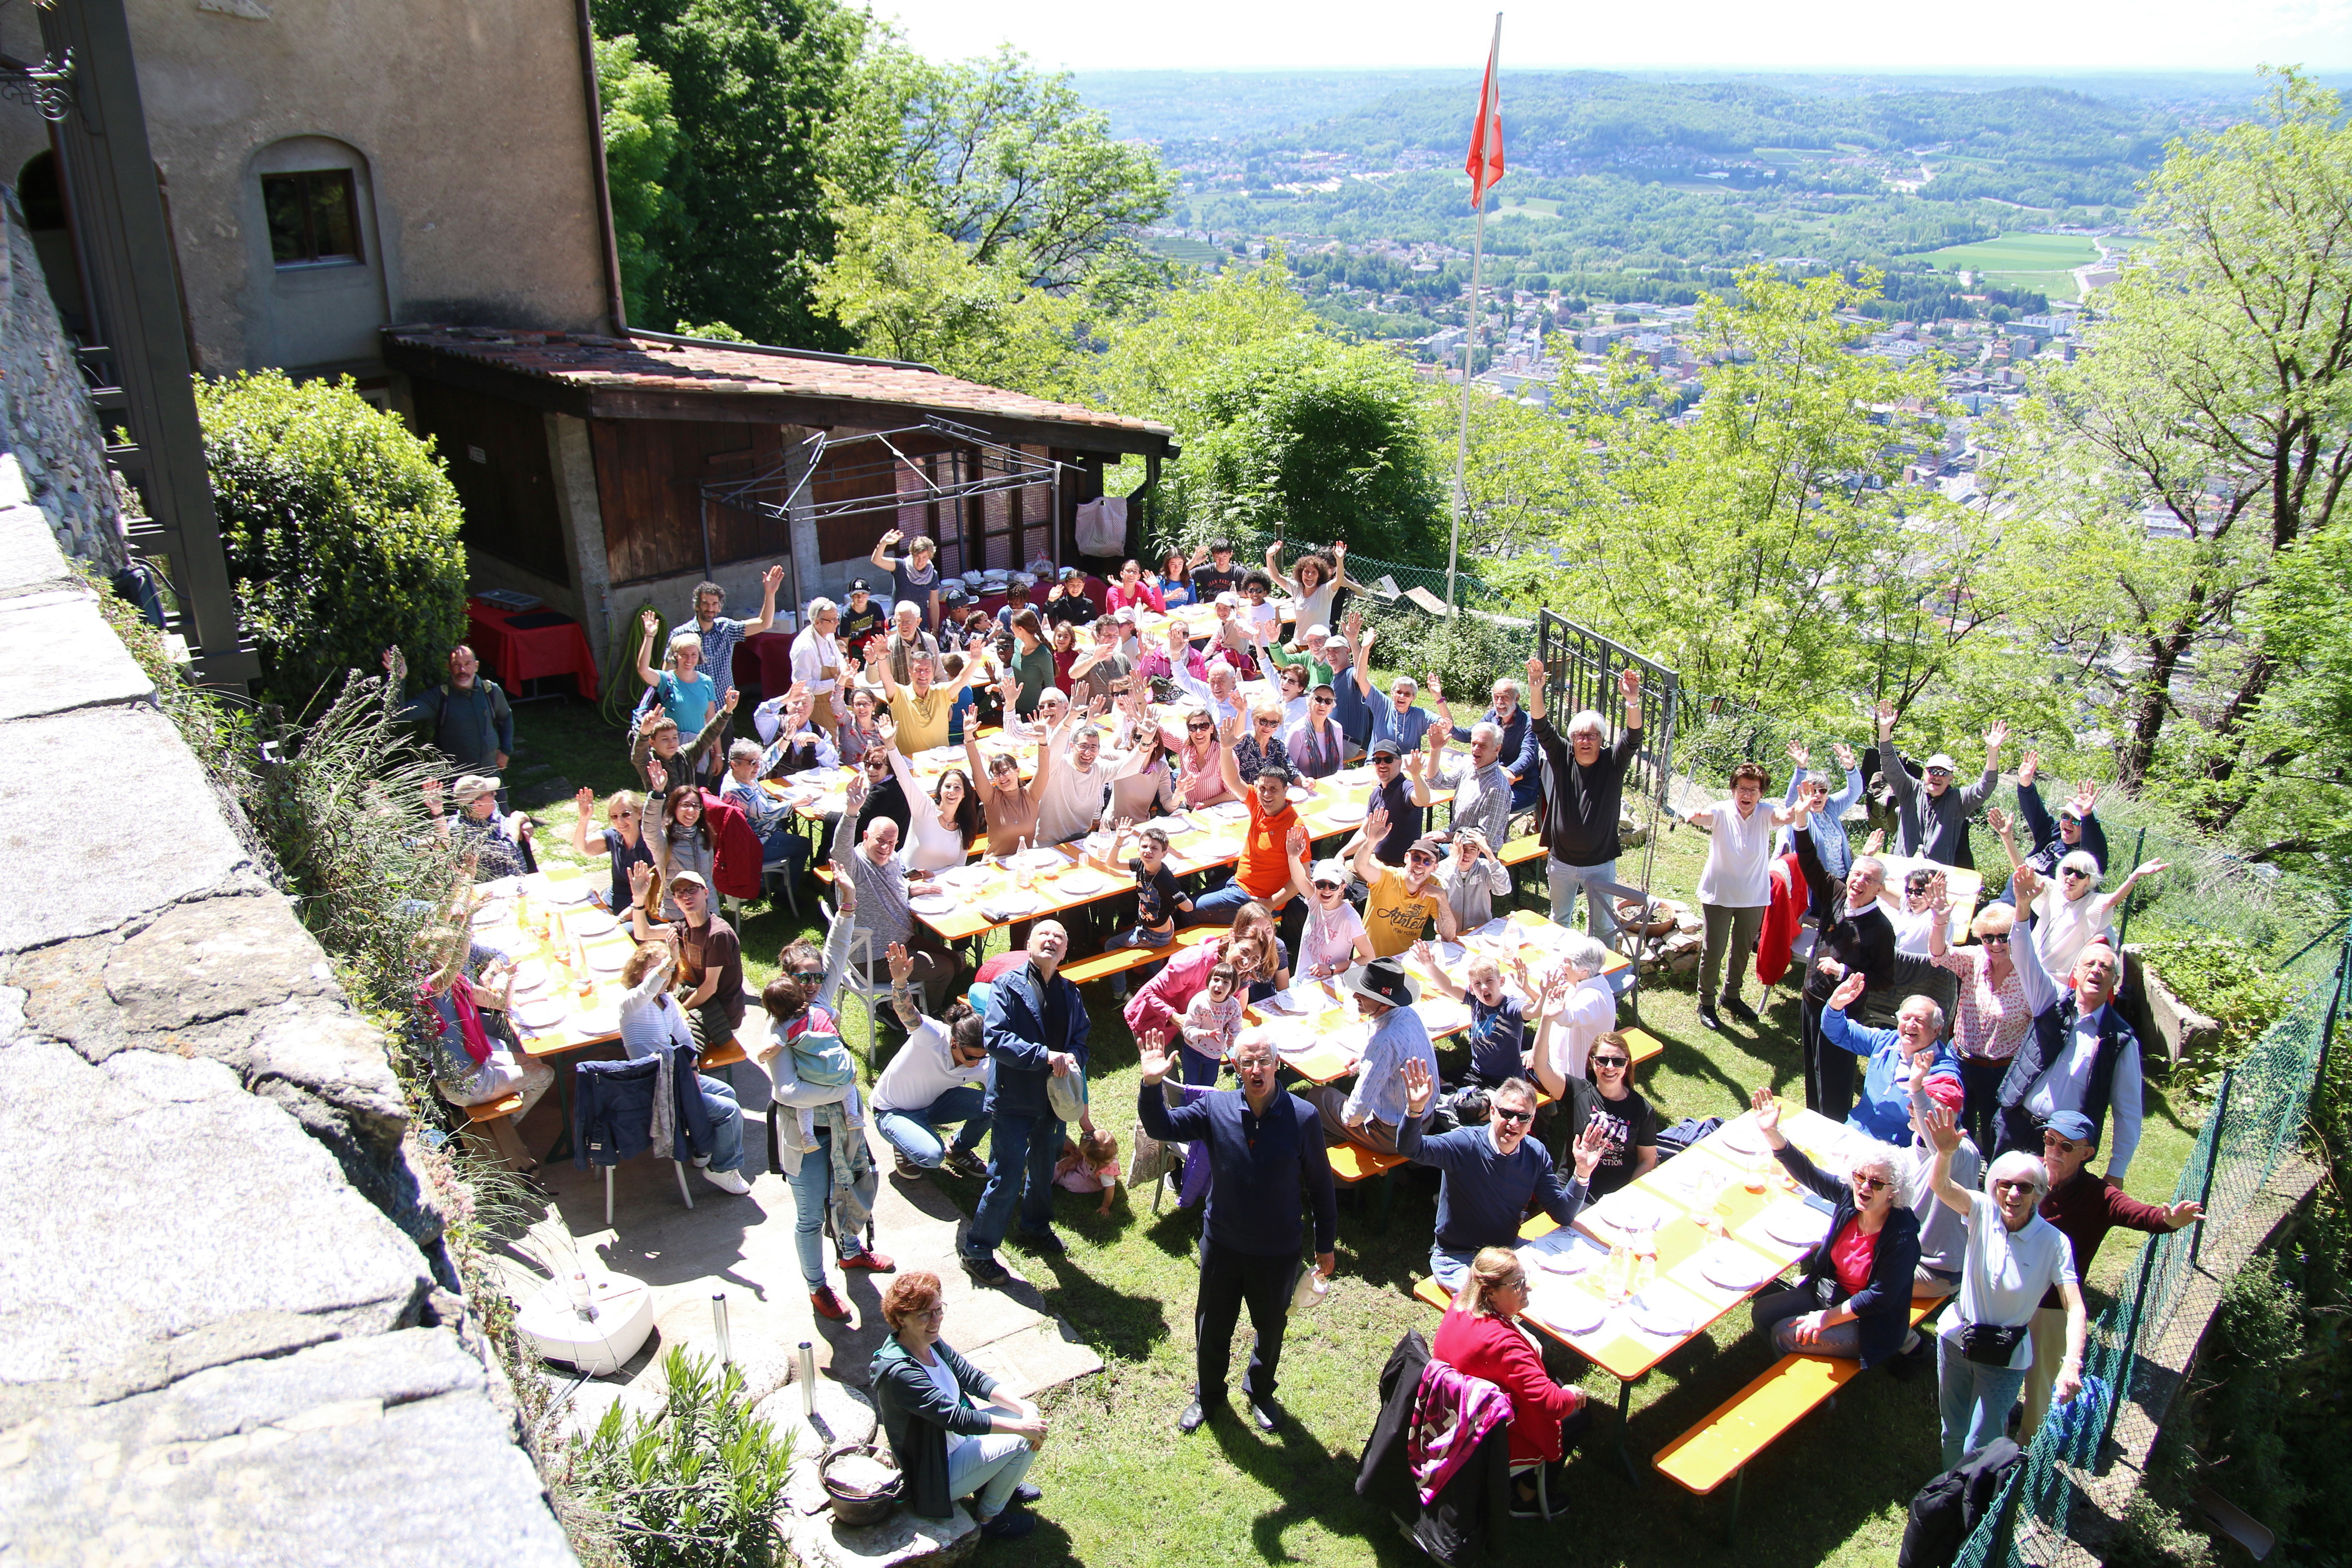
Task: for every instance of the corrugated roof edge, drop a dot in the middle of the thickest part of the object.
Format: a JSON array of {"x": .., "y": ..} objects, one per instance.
[{"x": 752, "y": 348}]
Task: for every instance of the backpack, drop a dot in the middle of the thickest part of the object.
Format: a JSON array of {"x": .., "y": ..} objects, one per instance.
[{"x": 1947, "y": 1509}]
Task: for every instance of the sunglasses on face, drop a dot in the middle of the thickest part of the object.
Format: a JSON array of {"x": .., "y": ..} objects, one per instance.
[
  {"x": 1196, "y": 727},
  {"x": 1266, "y": 723},
  {"x": 1939, "y": 772},
  {"x": 808, "y": 974},
  {"x": 1997, "y": 939},
  {"x": 1384, "y": 761},
  {"x": 1327, "y": 887},
  {"x": 1503, "y": 1115},
  {"x": 2013, "y": 1186},
  {"x": 1325, "y": 701},
  {"x": 1870, "y": 1184},
  {"x": 2073, "y": 875},
  {"x": 1611, "y": 1062},
  {"x": 1422, "y": 857}
]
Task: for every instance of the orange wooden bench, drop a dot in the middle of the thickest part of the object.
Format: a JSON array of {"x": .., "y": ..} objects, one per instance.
[
  {"x": 1353, "y": 1164},
  {"x": 1103, "y": 966},
  {"x": 496, "y": 1118},
  {"x": 1718, "y": 1449}
]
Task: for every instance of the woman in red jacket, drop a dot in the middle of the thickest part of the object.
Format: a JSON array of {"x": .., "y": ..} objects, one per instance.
[{"x": 1480, "y": 1336}]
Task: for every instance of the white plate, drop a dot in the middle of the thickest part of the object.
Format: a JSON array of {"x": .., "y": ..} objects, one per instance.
[
  {"x": 504, "y": 938},
  {"x": 1571, "y": 1313},
  {"x": 1567, "y": 1257},
  {"x": 497, "y": 912},
  {"x": 530, "y": 975},
  {"x": 1743, "y": 1136},
  {"x": 965, "y": 876},
  {"x": 572, "y": 891},
  {"x": 1298, "y": 794},
  {"x": 1039, "y": 860},
  {"x": 1665, "y": 1320},
  {"x": 932, "y": 904},
  {"x": 1083, "y": 884},
  {"x": 1795, "y": 1224},
  {"x": 1735, "y": 1268},
  {"x": 1352, "y": 777},
  {"x": 1011, "y": 904},
  {"x": 1631, "y": 1213},
  {"x": 1345, "y": 815},
  {"x": 1173, "y": 825},
  {"x": 590, "y": 922},
  {"x": 609, "y": 959},
  {"x": 599, "y": 1021},
  {"x": 1230, "y": 810},
  {"x": 543, "y": 1013}
]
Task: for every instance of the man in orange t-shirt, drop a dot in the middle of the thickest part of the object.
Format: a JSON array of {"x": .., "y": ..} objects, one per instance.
[{"x": 1272, "y": 870}]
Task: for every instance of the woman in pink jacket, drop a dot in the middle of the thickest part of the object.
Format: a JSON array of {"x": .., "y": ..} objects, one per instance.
[{"x": 1253, "y": 948}]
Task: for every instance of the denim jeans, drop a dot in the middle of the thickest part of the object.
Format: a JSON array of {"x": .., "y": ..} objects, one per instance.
[
  {"x": 915, "y": 1134},
  {"x": 726, "y": 1124},
  {"x": 1775, "y": 1313},
  {"x": 1022, "y": 1153},
  {"x": 812, "y": 1196},
  {"x": 1449, "y": 1266},
  {"x": 1600, "y": 919},
  {"x": 783, "y": 842},
  {"x": 1975, "y": 1400},
  {"x": 990, "y": 1465},
  {"x": 1218, "y": 906}
]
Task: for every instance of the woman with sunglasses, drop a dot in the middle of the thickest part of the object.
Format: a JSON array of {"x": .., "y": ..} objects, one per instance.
[
  {"x": 1317, "y": 748},
  {"x": 1854, "y": 1299},
  {"x": 1200, "y": 766},
  {"x": 1608, "y": 1098},
  {"x": 2070, "y": 913},
  {"x": 621, "y": 839},
  {"x": 1991, "y": 1017},
  {"x": 1333, "y": 940},
  {"x": 2015, "y": 1258}
]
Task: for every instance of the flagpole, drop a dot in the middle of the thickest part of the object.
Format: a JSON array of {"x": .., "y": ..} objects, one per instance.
[{"x": 1470, "y": 344}]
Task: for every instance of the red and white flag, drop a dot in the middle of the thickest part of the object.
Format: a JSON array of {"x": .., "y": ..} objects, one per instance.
[{"x": 1485, "y": 161}]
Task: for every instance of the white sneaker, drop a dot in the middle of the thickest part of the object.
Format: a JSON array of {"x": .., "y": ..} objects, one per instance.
[{"x": 727, "y": 1180}]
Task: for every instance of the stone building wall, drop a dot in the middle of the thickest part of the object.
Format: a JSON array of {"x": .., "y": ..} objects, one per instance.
[
  {"x": 229, "y": 1332},
  {"x": 47, "y": 424}
]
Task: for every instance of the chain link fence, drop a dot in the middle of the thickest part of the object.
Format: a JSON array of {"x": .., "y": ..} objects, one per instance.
[{"x": 2259, "y": 1113}]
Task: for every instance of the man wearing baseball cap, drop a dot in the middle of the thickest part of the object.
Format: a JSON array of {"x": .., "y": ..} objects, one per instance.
[
  {"x": 861, "y": 619},
  {"x": 1374, "y": 1111},
  {"x": 1934, "y": 824},
  {"x": 2083, "y": 1208}
]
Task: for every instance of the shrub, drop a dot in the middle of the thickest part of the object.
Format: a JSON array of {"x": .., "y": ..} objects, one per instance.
[
  {"x": 698, "y": 1484},
  {"x": 341, "y": 528},
  {"x": 2221, "y": 978}
]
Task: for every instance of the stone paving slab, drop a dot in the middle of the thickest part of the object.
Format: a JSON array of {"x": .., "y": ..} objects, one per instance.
[{"x": 42, "y": 634}]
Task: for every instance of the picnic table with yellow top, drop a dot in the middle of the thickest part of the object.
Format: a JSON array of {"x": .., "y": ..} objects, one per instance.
[
  {"x": 1318, "y": 1035},
  {"x": 995, "y": 891},
  {"x": 1654, "y": 1265},
  {"x": 568, "y": 952}
]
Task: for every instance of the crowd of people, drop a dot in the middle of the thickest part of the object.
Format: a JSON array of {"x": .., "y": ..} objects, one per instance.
[{"x": 1982, "y": 1063}]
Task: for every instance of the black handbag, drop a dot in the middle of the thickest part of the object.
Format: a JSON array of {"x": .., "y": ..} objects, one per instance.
[{"x": 1990, "y": 1345}]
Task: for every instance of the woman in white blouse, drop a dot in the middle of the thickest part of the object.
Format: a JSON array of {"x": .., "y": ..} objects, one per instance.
[
  {"x": 1736, "y": 888},
  {"x": 943, "y": 824}
]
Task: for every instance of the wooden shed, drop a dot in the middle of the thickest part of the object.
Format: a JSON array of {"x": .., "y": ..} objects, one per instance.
[{"x": 598, "y": 472}]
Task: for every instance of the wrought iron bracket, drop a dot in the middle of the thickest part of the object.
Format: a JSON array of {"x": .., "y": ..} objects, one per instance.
[{"x": 47, "y": 87}]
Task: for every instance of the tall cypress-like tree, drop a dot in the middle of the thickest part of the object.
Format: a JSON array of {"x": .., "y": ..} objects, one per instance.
[{"x": 756, "y": 86}]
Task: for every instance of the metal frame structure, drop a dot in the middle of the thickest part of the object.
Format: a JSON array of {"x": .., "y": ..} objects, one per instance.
[
  {"x": 141, "y": 377},
  {"x": 759, "y": 492},
  {"x": 1581, "y": 668}
]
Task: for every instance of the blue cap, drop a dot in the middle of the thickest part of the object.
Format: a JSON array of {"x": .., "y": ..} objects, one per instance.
[{"x": 2073, "y": 1126}]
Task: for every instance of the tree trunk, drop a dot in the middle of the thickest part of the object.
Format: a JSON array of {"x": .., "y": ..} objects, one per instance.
[{"x": 2136, "y": 758}]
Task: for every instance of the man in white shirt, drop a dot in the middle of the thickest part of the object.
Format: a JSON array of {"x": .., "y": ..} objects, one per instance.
[
  {"x": 937, "y": 1079},
  {"x": 816, "y": 660},
  {"x": 2081, "y": 1055},
  {"x": 1221, "y": 693}
]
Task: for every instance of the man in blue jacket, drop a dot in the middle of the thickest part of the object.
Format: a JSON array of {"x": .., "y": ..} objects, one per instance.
[
  {"x": 1884, "y": 1110},
  {"x": 1266, "y": 1151},
  {"x": 1035, "y": 1032}
]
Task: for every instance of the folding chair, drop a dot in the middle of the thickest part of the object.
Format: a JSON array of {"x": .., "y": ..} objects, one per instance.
[{"x": 589, "y": 1078}]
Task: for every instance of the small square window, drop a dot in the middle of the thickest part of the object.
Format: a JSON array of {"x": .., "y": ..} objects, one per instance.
[{"x": 313, "y": 217}]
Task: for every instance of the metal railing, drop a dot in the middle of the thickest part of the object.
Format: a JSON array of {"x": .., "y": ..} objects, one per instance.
[{"x": 2258, "y": 1114}]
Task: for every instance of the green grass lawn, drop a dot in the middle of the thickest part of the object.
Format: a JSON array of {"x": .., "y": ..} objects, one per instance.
[
  {"x": 2042, "y": 262},
  {"x": 1122, "y": 1487}
]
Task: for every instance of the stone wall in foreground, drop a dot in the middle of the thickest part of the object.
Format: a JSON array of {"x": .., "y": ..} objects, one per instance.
[
  {"x": 224, "y": 1337},
  {"x": 45, "y": 421}
]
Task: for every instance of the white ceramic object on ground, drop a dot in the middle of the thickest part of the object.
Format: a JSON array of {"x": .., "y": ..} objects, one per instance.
[{"x": 597, "y": 1346}]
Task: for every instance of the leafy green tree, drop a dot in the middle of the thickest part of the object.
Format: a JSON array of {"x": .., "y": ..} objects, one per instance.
[
  {"x": 1319, "y": 440},
  {"x": 1004, "y": 159},
  {"x": 641, "y": 139},
  {"x": 1764, "y": 546},
  {"x": 2215, "y": 393},
  {"x": 341, "y": 528},
  {"x": 757, "y": 88}
]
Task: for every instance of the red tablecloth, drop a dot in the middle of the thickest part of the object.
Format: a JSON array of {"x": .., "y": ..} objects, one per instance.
[
  {"x": 765, "y": 662},
  {"x": 519, "y": 653}
]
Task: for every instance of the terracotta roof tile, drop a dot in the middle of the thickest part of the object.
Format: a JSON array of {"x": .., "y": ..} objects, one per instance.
[{"x": 644, "y": 365}]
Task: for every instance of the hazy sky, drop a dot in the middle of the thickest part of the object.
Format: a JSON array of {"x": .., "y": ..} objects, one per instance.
[{"x": 2035, "y": 35}]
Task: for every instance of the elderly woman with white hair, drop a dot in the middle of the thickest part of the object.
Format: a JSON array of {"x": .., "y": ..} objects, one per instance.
[
  {"x": 1854, "y": 1299},
  {"x": 2069, "y": 912},
  {"x": 1579, "y": 1006},
  {"x": 2014, "y": 1258}
]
